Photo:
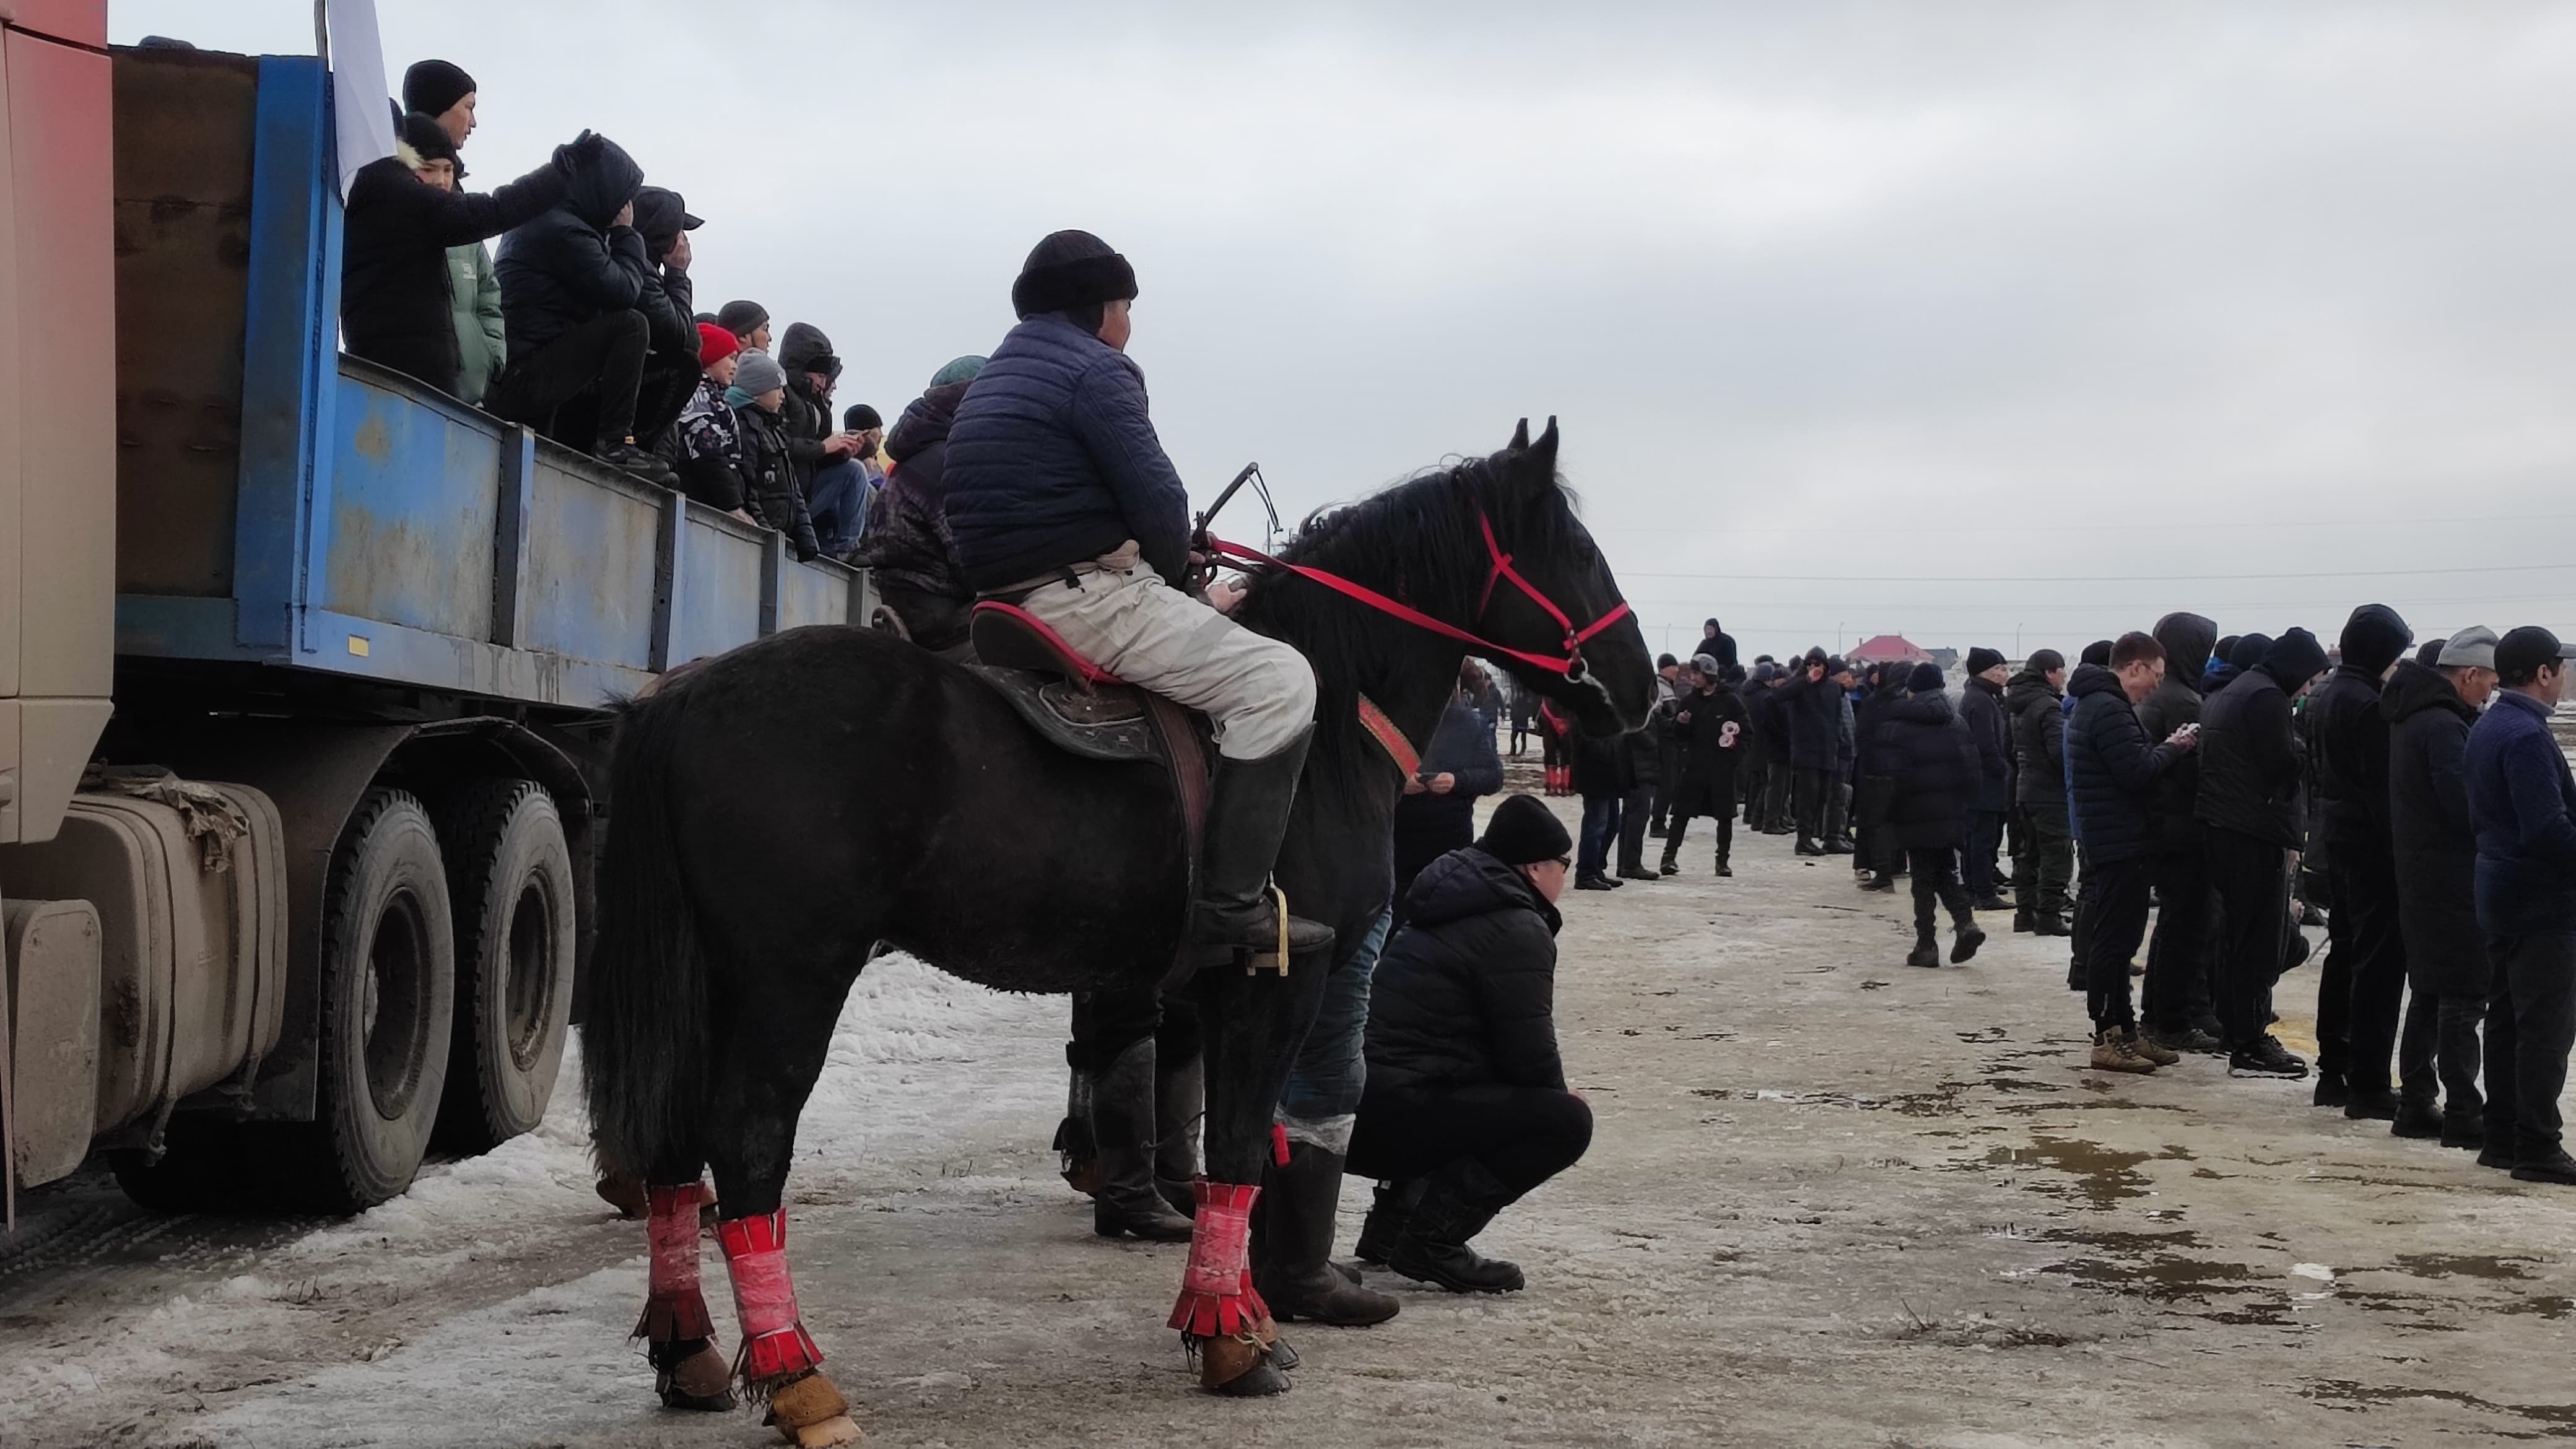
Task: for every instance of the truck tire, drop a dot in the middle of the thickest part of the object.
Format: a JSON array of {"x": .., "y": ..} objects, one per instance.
[
  {"x": 509, "y": 874},
  {"x": 388, "y": 1003}
]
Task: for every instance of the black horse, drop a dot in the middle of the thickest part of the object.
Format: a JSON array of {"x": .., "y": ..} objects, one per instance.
[{"x": 784, "y": 808}]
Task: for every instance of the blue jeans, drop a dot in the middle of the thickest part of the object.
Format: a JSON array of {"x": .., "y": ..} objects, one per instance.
[
  {"x": 1322, "y": 1097},
  {"x": 1600, "y": 827},
  {"x": 838, "y": 498}
]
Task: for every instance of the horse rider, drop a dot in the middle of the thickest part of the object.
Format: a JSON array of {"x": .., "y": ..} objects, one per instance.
[{"x": 1062, "y": 501}]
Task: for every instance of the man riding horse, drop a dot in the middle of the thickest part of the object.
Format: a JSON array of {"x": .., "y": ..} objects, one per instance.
[{"x": 1063, "y": 502}]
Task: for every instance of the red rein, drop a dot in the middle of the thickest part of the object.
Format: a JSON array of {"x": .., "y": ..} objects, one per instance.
[{"x": 1569, "y": 666}]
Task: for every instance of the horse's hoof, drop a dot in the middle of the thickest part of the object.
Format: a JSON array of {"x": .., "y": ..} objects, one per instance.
[
  {"x": 626, "y": 1194},
  {"x": 699, "y": 1380},
  {"x": 811, "y": 1414},
  {"x": 1282, "y": 1357},
  {"x": 1240, "y": 1368}
]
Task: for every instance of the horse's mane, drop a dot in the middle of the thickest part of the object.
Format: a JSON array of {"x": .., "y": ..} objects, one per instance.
[{"x": 1416, "y": 541}]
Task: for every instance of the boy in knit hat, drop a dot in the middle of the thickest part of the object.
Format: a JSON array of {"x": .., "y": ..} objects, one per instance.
[
  {"x": 770, "y": 489},
  {"x": 710, "y": 439}
]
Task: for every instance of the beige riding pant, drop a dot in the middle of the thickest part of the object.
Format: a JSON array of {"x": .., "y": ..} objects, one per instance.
[{"x": 1259, "y": 693}]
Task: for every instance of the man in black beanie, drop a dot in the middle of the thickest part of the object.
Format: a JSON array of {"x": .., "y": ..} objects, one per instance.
[
  {"x": 442, "y": 91},
  {"x": 2248, "y": 806},
  {"x": 2362, "y": 989},
  {"x": 1981, "y": 706},
  {"x": 1466, "y": 1107}
]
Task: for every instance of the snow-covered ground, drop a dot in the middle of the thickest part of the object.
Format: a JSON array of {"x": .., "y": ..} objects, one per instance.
[{"x": 1832, "y": 1200}]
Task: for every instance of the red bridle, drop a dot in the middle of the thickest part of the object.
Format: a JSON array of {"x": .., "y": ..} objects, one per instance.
[{"x": 1570, "y": 666}]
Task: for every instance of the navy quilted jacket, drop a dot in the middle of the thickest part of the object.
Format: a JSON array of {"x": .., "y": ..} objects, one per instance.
[
  {"x": 1052, "y": 461},
  {"x": 2113, "y": 769}
]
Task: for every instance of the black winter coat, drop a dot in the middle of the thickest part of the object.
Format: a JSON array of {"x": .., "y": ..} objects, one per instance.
[
  {"x": 395, "y": 306},
  {"x": 1714, "y": 739},
  {"x": 1465, "y": 992},
  {"x": 772, "y": 493},
  {"x": 1054, "y": 461},
  {"x": 807, "y": 417},
  {"x": 2114, "y": 767},
  {"x": 1925, "y": 746},
  {"x": 2436, "y": 845},
  {"x": 568, "y": 264},
  {"x": 1981, "y": 707},
  {"x": 1813, "y": 712},
  {"x": 906, "y": 542},
  {"x": 2249, "y": 761},
  {"x": 2187, "y": 639},
  {"x": 2038, "y": 724},
  {"x": 1600, "y": 767},
  {"x": 1766, "y": 709},
  {"x": 2351, "y": 735}
]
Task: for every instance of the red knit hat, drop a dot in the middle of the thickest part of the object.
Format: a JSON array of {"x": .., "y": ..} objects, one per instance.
[{"x": 715, "y": 342}]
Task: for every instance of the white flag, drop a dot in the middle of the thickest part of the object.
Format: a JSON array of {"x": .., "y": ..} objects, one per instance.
[{"x": 362, "y": 117}]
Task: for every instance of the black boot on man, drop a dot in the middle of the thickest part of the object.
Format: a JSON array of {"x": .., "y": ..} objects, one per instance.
[
  {"x": 1295, "y": 1270},
  {"x": 1927, "y": 950},
  {"x": 1246, "y": 819},
  {"x": 1388, "y": 1213},
  {"x": 1460, "y": 1201},
  {"x": 1126, "y": 1203}
]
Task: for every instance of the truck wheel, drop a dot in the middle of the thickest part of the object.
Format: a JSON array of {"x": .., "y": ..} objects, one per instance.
[
  {"x": 510, "y": 876},
  {"x": 388, "y": 1002}
]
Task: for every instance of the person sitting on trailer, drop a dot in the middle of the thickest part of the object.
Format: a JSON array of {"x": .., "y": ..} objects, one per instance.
[
  {"x": 671, "y": 364},
  {"x": 397, "y": 299},
  {"x": 572, "y": 281}
]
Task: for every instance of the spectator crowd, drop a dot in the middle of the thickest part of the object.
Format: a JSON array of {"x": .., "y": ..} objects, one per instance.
[
  {"x": 584, "y": 326},
  {"x": 2179, "y": 806}
]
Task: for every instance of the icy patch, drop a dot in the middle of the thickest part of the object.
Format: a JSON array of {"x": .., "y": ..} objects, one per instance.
[{"x": 2318, "y": 1271}]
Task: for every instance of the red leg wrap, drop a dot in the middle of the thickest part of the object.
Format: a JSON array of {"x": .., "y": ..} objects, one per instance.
[
  {"x": 774, "y": 1340},
  {"x": 1216, "y": 1289},
  {"x": 674, "y": 1309}
]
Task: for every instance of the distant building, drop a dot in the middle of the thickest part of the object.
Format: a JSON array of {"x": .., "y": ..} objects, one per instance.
[
  {"x": 1891, "y": 649},
  {"x": 1948, "y": 659}
]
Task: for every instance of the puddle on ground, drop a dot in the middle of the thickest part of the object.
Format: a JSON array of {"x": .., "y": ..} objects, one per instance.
[
  {"x": 2346, "y": 1394},
  {"x": 2102, "y": 1175},
  {"x": 2452, "y": 1265}
]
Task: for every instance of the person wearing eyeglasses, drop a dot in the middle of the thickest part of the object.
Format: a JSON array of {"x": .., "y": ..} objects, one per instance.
[{"x": 1466, "y": 1108}]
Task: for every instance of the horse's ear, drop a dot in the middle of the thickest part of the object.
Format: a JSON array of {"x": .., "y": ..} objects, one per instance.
[
  {"x": 1542, "y": 454},
  {"x": 1520, "y": 438}
]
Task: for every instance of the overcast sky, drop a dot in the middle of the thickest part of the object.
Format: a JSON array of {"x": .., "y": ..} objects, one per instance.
[{"x": 2014, "y": 324}]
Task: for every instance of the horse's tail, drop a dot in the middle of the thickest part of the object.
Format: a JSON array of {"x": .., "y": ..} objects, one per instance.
[{"x": 644, "y": 1041}]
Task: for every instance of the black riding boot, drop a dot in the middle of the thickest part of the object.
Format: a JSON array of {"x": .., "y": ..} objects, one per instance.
[
  {"x": 1247, "y": 817},
  {"x": 1122, "y": 1129},
  {"x": 1295, "y": 1270},
  {"x": 1460, "y": 1200},
  {"x": 1180, "y": 1092},
  {"x": 1387, "y": 1215}
]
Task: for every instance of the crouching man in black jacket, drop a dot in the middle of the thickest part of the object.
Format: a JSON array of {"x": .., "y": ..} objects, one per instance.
[{"x": 1466, "y": 1108}]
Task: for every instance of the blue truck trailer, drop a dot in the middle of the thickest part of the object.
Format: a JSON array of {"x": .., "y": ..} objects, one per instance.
[{"x": 294, "y": 852}]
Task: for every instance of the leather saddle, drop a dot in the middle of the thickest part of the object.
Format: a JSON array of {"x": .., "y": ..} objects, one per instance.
[{"x": 1083, "y": 709}]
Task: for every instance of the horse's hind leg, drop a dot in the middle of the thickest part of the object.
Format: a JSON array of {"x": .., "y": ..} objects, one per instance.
[
  {"x": 1253, "y": 1024},
  {"x": 689, "y": 1370},
  {"x": 768, "y": 1060}
]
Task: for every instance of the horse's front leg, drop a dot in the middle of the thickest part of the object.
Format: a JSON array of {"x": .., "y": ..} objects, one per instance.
[
  {"x": 1252, "y": 1024},
  {"x": 767, "y": 1068}
]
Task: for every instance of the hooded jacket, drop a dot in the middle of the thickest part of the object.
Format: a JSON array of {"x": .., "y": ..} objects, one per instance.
[
  {"x": 2249, "y": 753},
  {"x": 1923, "y": 744},
  {"x": 805, "y": 417},
  {"x": 2436, "y": 852},
  {"x": 2114, "y": 767},
  {"x": 2522, "y": 804},
  {"x": 397, "y": 300},
  {"x": 2038, "y": 728},
  {"x": 906, "y": 542},
  {"x": 2175, "y": 702},
  {"x": 1053, "y": 461},
  {"x": 1981, "y": 708},
  {"x": 1811, "y": 715},
  {"x": 571, "y": 263},
  {"x": 770, "y": 490},
  {"x": 2351, "y": 733},
  {"x": 1465, "y": 992}
]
